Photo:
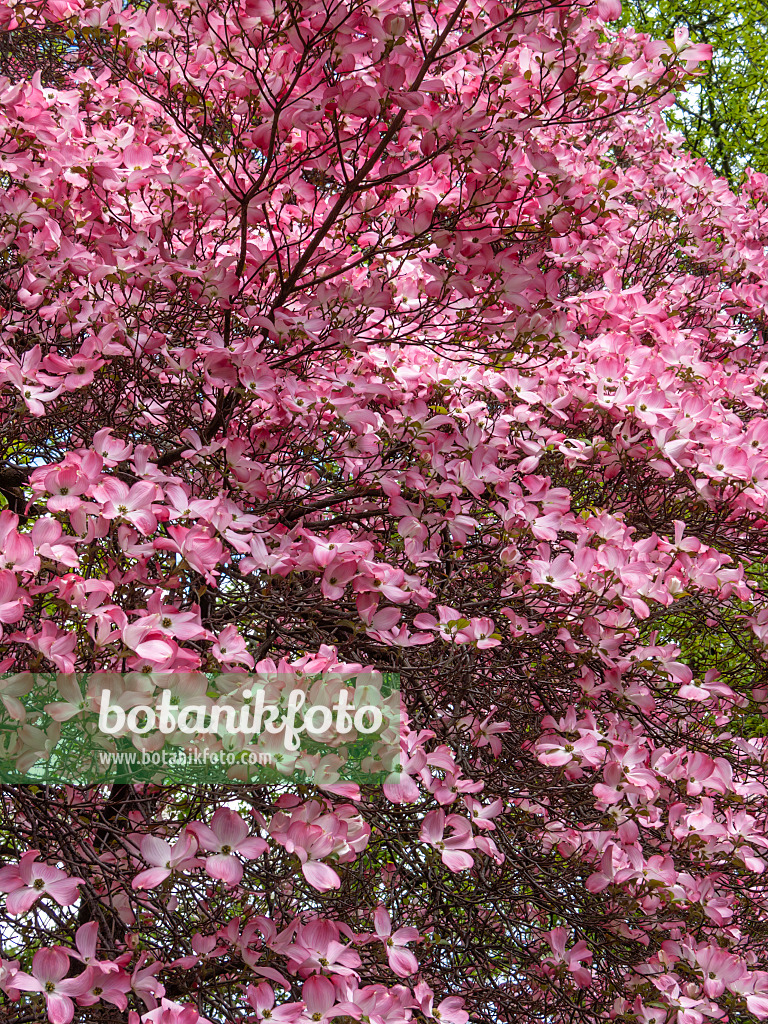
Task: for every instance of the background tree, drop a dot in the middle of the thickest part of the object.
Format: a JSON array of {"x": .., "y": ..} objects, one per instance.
[{"x": 724, "y": 116}]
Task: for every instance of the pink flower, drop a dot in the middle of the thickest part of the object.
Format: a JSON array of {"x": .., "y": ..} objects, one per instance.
[
  {"x": 8, "y": 971},
  {"x": 201, "y": 551},
  {"x": 319, "y": 997},
  {"x": 487, "y": 734},
  {"x": 170, "y": 1012},
  {"x": 137, "y": 156},
  {"x": 557, "y": 750},
  {"x": 725, "y": 460},
  {"x": 572, "y": 958},
  {"x": 310, "y": 843},
  {"x": 336, "y": 577},
  {"x": 451, "y": 848},
  {"x": 58, "y": 645},
  {"x": 28, "y": 880},
  {"x": 48, "y": 969},
  {"x": 65, "y": 486},
  {"x": 720, "y": 969},
  {"x": 478, "y": 632},
  {"x": 401, "y": 786},
  {"x": 112, "y": 449},
  {"x": 33, "y": 395},
  {"x": 446, "y": 790},
  {"x": 609, "y": 10},
  {"x": 50, "y": 542},
  {"x": 227, "y": 836},
  {"x": 317, "y": 949},
  {"x": 181, "y": 625},
  {"x": 17, "y": 550},
  {"x": 449, "y": 1011},
  {"x": 231, "y": 648},
  {"x": 134, "y": 504},
  {"x": 145, "y": 984},
  {"x": 12, "y": 600},
  {"x": 262, "y": 999},
  {"x": 105, "y": 982},
  {"x": 79, "y": 370},
  {"x": 165, "y": 859},
  {"x": 559, "y": 573},
  {"x": 692, "y": 52},
  {"x": 401, "y": 960},
  {"x": 86, "y": 938},
  {"x": 482, "y": 816},
  {"x": 149, "y": 643}
]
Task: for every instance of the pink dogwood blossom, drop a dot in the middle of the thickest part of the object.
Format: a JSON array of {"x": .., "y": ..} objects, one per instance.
[
  {"x": 226, "y": 836},
  {"x": 29, "y": 880}
]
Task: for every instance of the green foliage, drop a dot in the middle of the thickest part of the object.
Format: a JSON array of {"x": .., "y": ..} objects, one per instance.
[
  {"x": 724, "y": 116},
  {"x": 714, "y": 635}
]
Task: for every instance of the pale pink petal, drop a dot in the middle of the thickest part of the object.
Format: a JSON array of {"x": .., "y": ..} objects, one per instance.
[
  {"x": 455, "y": 860},
  {"x": 320, "y": 876},
  {"x": 206, "y": 837},
  {"x": 85, "y": 940},
  {"x": 155, "y": 851},
  {"x": 30, "y": 870},
  {"x": 137, "y": 155},
  {"x": 432, "y": 827},
  {"x": 151, "y": 878},
  {"x": 224, "y": 867},
  {"x": 252, "y": 848},
  {"x": 64, "y": 891},
  {"x": 77, "y": 986},
  {"x": 10, "y": 878},
  {"x": 402, "y": 961},
  {"x": 229, "y": 827},
  {"x": 21, "y": 900},
  {"x": 318, "y": 994},
  {"x": 26, "y": 983},
  {"x": 382, "y": 922},
  {"x": 154, "y": 650},
  {"x": 50, "y": 965},
  {"x": 755, "y": 1004},
  {"x": 60, "y": 1009},
  {"x": 401, "y": 789}
]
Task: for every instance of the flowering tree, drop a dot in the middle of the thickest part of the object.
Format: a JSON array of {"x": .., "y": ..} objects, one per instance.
[{"x": 395, "y": 336}]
